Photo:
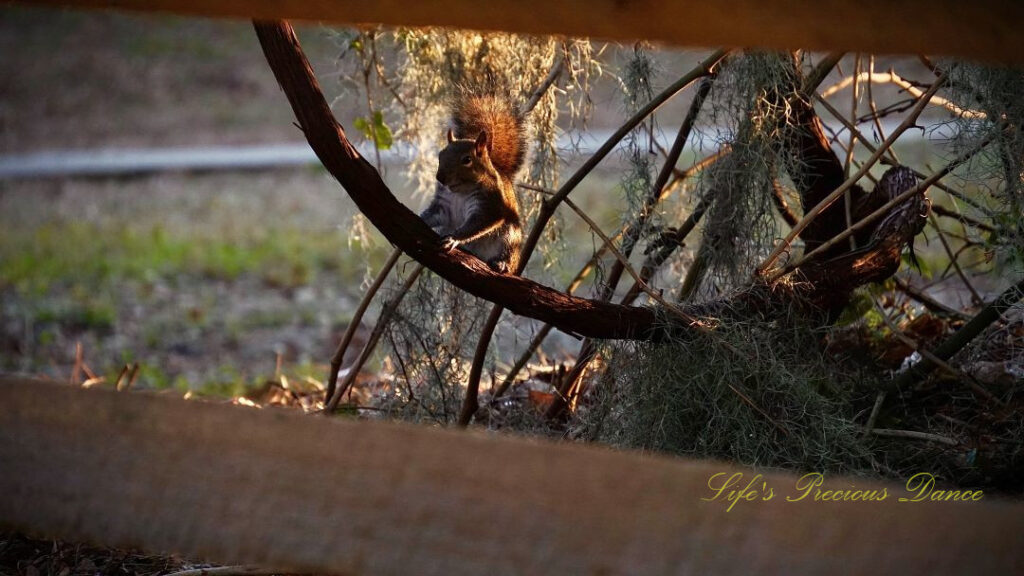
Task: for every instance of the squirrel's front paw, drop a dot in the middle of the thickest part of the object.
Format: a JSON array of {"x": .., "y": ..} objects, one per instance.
[
  {"x": 448, "y": 243},
  {"x": 499, "y": 266}
]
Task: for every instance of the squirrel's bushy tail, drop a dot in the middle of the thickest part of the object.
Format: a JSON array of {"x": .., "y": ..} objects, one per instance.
[{"x": 505, "y": 125}]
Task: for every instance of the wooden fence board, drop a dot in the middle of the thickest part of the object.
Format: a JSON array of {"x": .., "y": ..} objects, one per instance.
[
  {"x": 988, "y": 29},
  {"x": 234, "y": 484}
]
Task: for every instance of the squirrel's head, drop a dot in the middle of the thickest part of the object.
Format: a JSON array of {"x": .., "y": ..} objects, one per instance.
[{"x": 465, "y": 160}]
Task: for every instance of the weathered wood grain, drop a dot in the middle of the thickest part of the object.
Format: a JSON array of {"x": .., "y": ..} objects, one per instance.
[
  {"x": 233, "y": 484},
  {"x": 987, "y": 29}
]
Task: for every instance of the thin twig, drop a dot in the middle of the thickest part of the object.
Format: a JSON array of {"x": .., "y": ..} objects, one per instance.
[
  {"x": 874, "y": 109},
  {"x": 758, "y": 409},
  {"x": 916, "y": 346},
  {"x": 911, "y": 434},
  {"x": 76, "y": 370},
  {"x": 624, "y": 261},
  {"x": 929, "y": 302},
  {"x": 132, "y": 375},
  {"x": 549, "y": 80},
  {"x": 962, "y": 218},
  {"x": 847, "y": 197},
  {"x": 120, "y": 377},
  {"x": 975, "y": 297},
  {"x": 893, "y": 160},
  {"x": 670, "y": 240},
  {"x": 655, "y": 194},
  {"x": 541, "y": 334},
  {"x": 356, "y": 322},
  {"x": 234, "y": 571},
  {"x": 875, "y": 410},
  {"x": 371, "y": 343},
  {"x": 779, "y": 196},
  {"x": 891, "y": 77},
  {"x": 88, "y": 371}
]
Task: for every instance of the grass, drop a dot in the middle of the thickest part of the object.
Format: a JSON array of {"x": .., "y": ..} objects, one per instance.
[
  {"x": 90, "y": 256},
  {"x": 203, "y": 279}
]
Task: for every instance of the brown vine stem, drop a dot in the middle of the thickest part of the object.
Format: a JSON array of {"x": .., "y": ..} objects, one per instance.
[
  {"x": 547, "y": 211},
  {"x": 371, "y": 342},
  {"x": 908, "y": 122}
]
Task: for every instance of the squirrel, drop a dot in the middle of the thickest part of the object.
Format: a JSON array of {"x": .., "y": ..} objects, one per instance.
[{"x": 474, "y": 207}]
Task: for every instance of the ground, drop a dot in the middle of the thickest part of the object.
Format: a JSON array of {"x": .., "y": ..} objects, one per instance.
[{"x": 204, "y": 279}]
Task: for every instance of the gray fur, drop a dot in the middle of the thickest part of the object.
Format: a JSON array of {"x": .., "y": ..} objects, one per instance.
[{"x": 456, "y": 215}]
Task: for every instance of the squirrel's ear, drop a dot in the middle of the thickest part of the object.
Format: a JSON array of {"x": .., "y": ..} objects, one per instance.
[
  {"x": 482, "y": 143},
  {"x": 451, "y": 136}
]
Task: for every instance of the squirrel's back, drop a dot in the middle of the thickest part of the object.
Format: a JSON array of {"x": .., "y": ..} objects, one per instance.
[{"x": 504, "y": 124}]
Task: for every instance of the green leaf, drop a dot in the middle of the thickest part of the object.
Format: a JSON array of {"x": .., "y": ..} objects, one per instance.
[{"x": 375, "y": 130}]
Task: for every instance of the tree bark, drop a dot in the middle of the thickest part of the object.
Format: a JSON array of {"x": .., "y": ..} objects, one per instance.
[{"x": 825, "y": 285}]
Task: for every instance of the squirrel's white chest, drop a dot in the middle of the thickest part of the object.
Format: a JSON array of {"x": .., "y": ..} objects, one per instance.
[{"x": 456, "y": 207}]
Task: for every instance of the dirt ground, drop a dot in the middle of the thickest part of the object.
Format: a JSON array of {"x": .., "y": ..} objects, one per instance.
[{"x": 205, "y": 279}]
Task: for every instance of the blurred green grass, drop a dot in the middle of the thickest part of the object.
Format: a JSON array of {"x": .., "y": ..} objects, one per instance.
[{"x": 91, "y": 255}]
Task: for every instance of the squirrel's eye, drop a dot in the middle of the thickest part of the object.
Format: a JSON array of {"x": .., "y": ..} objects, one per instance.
[{"x": 466, "y": 160}]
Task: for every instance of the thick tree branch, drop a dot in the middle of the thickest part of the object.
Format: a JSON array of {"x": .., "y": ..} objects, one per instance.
[
  {"x": 590, "y": 318},
  {"x": 408, "y": 232}
]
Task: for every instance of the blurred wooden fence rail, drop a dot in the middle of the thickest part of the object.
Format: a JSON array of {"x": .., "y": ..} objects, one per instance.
[
  {"x": 986, "y": 29},
  {"x": 234, "y": 484}
]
